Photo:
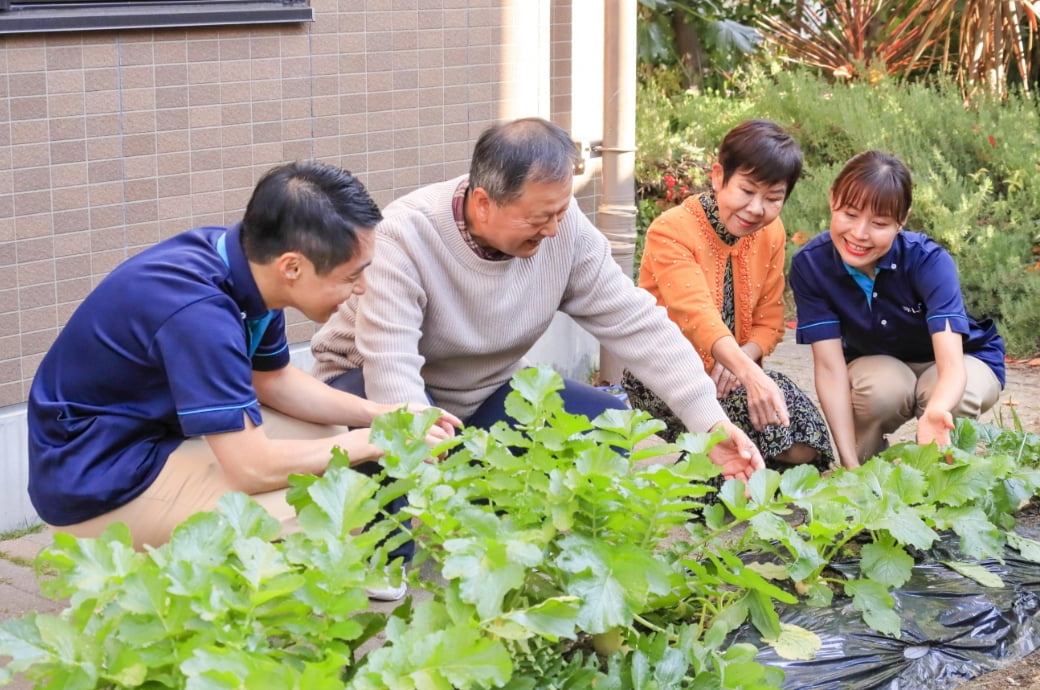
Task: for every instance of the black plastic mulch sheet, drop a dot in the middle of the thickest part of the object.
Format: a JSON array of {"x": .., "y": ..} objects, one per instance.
[{"x": 953, "y": 629}]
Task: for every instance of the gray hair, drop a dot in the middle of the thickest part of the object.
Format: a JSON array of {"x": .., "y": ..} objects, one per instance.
[{"x": 509, "y": 155}]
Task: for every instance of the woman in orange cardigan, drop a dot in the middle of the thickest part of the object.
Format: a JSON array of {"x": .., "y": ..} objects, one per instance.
[{"x": 716, "y": 263}]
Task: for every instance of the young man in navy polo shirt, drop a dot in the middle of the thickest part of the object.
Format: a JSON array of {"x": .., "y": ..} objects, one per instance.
[
  {"x": 883, "y": 310},
  {"x": 147, "y": 408}
]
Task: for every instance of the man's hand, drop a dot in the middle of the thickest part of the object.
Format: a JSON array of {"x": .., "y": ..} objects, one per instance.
[
  {"x": 736, "y": 455},
  {"x": 443, "y": 428}
]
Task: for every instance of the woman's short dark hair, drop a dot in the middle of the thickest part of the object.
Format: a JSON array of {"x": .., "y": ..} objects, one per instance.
[
  {"x": 877, "y": 181},
  {"x": 510, "y": 154},
  {"x": 762, "y": 150},
  {"x": 309, "y": 207}
]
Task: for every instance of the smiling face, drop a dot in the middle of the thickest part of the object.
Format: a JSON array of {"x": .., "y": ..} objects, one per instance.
[
  {"x": 517, "y": 228},
  {"x": 861, "y": 235},
  {"x": 318, "y": 296},
  {"x": 746, "y": 205},
  {"x": 870, "y": 202}
]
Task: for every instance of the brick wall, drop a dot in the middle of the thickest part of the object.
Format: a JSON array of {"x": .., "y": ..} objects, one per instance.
[{"x": 111, "y": 141}]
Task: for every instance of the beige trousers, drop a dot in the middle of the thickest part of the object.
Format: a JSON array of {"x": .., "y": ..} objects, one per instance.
[
  {"x": 887, "y": 392},
  {"x": 191, "y": 481}
]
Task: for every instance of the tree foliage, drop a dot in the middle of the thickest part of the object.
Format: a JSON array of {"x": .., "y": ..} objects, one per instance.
[
  {"x": 975, "y": 41},
  {"x": 862, "y": 39},
  {"x": 995, "y": 35}
]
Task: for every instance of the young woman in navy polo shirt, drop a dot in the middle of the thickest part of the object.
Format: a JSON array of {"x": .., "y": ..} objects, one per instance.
[{"x": 883, "y": 310}]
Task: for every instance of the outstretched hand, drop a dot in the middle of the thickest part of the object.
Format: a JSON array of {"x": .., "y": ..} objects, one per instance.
[
  {"x": 736, "y": 454},
  {"x": 934, "y": 426}
]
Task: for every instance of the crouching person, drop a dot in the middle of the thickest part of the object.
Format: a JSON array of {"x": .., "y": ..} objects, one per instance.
[{"x": 171, "y": 383}]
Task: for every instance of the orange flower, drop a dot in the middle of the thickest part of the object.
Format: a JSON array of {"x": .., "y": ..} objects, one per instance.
[{"x": 799, "y": 238}]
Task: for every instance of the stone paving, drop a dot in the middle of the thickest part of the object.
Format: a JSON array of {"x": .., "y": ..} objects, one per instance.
[{"x": 20, "y": 591}]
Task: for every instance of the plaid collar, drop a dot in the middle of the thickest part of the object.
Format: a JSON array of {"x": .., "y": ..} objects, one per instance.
[{"x": 458, "y": 209}]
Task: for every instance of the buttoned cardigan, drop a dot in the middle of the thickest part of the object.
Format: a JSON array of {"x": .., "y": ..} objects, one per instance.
[{"x": 684, "y": 267}]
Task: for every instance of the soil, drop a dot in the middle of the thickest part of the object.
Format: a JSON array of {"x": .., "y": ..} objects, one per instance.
[{"x": 1023, "y": 674}]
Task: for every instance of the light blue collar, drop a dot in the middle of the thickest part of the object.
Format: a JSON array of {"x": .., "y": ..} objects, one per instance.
[
  {"x": 254, "y": 327},
  {"x": 865, "y": 282}
]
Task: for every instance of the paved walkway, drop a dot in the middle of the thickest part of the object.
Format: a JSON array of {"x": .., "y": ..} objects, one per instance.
[
  {"x": 20, "y": 592},
  {"x": 1020, "y": 397}
]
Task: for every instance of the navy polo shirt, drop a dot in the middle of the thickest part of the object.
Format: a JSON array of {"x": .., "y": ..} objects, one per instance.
[
  {"x": 158, "y": 352},
  {"x": 915, "y": 293}
]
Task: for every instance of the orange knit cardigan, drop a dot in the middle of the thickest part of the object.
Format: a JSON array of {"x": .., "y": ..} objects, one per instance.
[{"x": 684, "y": 265}]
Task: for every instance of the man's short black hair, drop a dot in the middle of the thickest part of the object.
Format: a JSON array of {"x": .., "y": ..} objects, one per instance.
[{"x": 310, "y": 207}]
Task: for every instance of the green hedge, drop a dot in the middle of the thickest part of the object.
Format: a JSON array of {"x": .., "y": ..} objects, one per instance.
[{"x": 976, "y": 170}]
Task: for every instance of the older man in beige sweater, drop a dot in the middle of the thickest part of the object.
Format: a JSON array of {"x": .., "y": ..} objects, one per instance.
[{"x": 468, "y": 274}]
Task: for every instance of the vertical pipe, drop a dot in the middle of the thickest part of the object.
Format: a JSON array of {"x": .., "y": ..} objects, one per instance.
[
  {"x": 525, "y": 60},
  {"x": 617, "y": 209}
]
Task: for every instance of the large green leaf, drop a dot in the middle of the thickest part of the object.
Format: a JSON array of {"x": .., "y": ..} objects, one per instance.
[
  {"x": 341, "y": 501},
  {"x": 976, "y": 572},
  {"x": 1029, "y": 549},
  {"x": 979, "y": 538},
  {"x": 907, "y": 527},
  {"x": 876, "y": 604},
  {"x": 886, "y": 563},
  {"x": 484, "y": 571},
  {"x": 553, "y": 618}
]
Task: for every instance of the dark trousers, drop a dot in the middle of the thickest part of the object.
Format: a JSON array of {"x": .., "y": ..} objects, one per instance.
[{"x": 578, "y": 398}]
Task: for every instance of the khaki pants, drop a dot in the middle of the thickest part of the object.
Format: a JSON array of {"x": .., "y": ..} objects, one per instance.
[
  {"x": 887, "y": 392},
  {"x": 192, "y": 481}
]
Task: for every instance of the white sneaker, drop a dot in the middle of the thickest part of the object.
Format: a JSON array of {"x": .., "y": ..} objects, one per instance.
[{"x": 390, "y": 592}]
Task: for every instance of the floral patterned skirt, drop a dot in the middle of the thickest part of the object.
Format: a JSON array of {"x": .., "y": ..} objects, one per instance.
[{"x": 807, "y": 424}]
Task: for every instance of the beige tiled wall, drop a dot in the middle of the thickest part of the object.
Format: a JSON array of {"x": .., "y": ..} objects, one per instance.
[{"x": 111, "y": 141}]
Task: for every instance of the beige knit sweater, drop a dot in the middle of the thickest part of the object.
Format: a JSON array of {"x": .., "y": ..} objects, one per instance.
[{"x": 438, "y": 318}]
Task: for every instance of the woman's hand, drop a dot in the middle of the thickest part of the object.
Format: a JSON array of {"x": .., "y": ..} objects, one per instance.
[
  {"x": 850, "y": 463},
  {"x": 934, "y": 425},
  {"x": 766, "y": 404},
  {"x": 725, "y": 380},
  {"x": 936, "y": 422}
]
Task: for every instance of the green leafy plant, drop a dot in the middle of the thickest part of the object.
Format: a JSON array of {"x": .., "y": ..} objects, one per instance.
[{"x": 565, "y": 553}]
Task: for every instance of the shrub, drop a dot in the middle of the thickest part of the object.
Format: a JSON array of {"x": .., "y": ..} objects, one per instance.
[{"x": 976, "y": 170}]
